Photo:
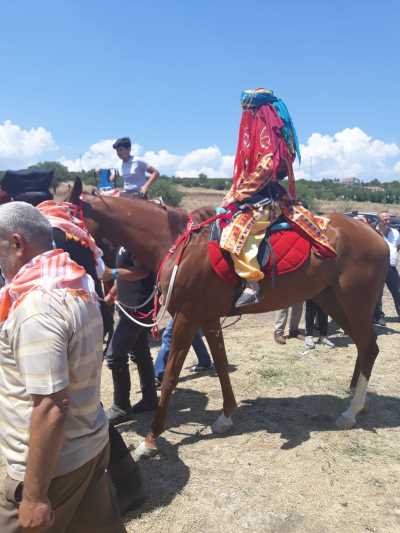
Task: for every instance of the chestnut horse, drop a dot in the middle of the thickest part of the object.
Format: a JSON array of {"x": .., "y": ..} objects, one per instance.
[{"x": 346, "y": 287}]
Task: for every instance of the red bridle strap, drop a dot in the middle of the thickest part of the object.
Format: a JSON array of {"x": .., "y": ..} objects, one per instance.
[{"x": 180, "y": 246}]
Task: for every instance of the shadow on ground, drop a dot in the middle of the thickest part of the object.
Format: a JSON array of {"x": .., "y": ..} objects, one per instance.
[
  {"x": 295, "y": 418},
  {"x": 161, "y": 486}
]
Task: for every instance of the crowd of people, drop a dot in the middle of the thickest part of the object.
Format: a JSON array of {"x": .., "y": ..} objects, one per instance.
[{"x": 60, "y": 445}]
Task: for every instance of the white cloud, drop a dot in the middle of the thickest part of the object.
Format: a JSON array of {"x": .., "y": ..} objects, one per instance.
[
  {"x": 350, "y": 152},
  {"x": 20, "y": 148},
  {"x": 209, "y": 161}
]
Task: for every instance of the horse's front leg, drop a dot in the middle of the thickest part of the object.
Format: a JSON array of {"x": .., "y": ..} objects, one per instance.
[
  {"x": 213, "y": 332},
  {"x": 182, "y": 336}
]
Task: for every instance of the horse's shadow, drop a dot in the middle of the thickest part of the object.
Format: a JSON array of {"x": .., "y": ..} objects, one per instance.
[
  {"x": 295, "y": 418},
  {"x": 164, "y": 477}
]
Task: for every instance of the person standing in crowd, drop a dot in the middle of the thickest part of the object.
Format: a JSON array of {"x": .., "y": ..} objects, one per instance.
[
  {"x": 281, "y": 320},
  {"x": 204, "y": 361},
  {"x": 54, "y": 432},
  {"x": 392, "y": 239},
  {"x": 137, "y": 175},
  {"x": 313, "y": 311},
  {"x": 130, "y": 338}
]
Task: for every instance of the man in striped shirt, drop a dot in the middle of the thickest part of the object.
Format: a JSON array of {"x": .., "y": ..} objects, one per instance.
[{"x": 54, "y": 432}]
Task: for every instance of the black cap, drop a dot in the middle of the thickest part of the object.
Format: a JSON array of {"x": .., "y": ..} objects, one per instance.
[{"x": 123, "y": 142}]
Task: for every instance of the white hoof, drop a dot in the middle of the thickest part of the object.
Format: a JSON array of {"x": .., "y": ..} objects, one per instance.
[
  {"x": 344, "y": 422},
  {"x": 144, "y": 451},
  {"x": 222, "y": 424}
]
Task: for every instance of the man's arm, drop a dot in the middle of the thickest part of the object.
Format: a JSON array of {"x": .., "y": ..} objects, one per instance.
[
  {"x": 154, "y": 175},
  {"x": 126, "y": 274},
  {"x": 45, "y": 443}
]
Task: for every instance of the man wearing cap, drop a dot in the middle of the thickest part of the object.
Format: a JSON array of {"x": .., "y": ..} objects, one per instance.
[{"x": 134, "y": 171}]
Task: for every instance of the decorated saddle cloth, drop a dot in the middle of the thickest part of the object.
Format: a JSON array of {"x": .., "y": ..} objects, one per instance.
[
  {"x": 51, "y": 270},
  {"x": 258, "y": 245}
]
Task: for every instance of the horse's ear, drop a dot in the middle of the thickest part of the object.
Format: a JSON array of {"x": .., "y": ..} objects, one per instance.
[{"x": 76, "y": 191}]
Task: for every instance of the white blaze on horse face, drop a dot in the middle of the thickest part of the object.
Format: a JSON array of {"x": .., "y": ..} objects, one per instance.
[{"x": 348, "y": 418}]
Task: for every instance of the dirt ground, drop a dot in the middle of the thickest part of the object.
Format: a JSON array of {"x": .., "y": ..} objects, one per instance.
[{"x": 284, "y": 467}]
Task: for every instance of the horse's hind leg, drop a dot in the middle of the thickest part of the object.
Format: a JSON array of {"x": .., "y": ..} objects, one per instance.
[
  {"x": 213, "y": 332},
  {"x": 182, "y": 335},
  {"x": 359, "y": 312},
  {"x": 329, "y": 302}
]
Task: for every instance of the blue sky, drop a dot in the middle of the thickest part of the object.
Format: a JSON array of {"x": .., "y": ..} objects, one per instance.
[{"x": 170, "y": 74}]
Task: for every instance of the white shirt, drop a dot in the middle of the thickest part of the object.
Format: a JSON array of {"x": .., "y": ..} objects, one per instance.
[
  {"x": 133, "y": 172},
  {"x": 393, "y": 241}
]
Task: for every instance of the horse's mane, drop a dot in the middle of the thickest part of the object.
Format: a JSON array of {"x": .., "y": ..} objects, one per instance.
[{"x": 202, "y": 213}]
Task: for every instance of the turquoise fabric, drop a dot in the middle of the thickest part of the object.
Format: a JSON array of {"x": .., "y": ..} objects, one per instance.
[{"x": 289, "y": 131}]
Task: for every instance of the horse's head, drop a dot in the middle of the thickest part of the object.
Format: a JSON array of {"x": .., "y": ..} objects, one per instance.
[{"x": 76, "y": 196}]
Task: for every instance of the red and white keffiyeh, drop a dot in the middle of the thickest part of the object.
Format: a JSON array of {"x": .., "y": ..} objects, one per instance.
[{"x": 51, "y": 270}]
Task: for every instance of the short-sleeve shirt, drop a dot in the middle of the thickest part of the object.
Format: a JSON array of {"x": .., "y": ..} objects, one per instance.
[
  {"x": 393, "y": 240},
  {"x": 133, "y": 172},
  {"x": 52, "y": 341}
]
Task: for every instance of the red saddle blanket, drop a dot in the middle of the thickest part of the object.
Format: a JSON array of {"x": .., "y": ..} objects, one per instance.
[{"x": 289, "y": 252}]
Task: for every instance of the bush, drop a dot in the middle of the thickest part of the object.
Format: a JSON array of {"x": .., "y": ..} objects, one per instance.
[{"x": 167, "y": 190}]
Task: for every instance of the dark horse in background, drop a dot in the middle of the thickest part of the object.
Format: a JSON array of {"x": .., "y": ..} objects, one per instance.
[{"x": 346, "y": 287}]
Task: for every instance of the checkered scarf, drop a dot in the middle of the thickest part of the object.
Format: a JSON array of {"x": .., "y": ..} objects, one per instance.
[{"x": 51, "y": 270}]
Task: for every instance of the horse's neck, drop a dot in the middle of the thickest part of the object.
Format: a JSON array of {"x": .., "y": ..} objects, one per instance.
[{"x": 150, "y": 233}]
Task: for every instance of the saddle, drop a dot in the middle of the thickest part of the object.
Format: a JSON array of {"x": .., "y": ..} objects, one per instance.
[{"x": 282, "y": 250}]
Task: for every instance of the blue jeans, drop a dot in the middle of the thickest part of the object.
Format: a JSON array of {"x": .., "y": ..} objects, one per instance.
[{"x": 198, "y": 346}]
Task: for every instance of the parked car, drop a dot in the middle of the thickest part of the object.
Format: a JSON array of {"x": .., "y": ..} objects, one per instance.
[{"x": 371, "y": 217}]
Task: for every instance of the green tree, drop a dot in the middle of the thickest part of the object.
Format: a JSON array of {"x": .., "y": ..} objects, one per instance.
[
  {"x": 203, "y": 178},
  {"x": 167, "y": 190}
]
